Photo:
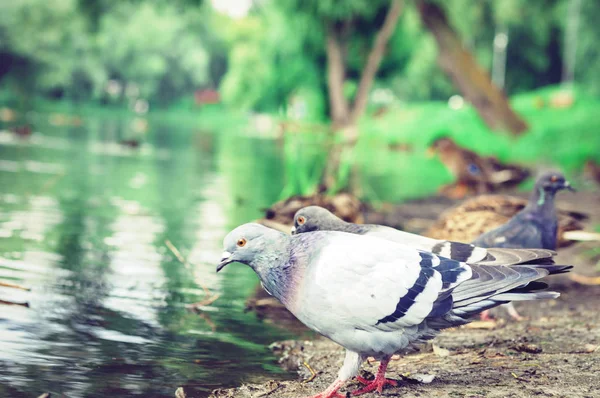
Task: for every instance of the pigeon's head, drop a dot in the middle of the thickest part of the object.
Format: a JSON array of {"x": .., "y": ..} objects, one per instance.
[
  {"x": 247, "y": 243},
  {"x": 314, "y": 218},
  {"x": 553, "y": 182}
]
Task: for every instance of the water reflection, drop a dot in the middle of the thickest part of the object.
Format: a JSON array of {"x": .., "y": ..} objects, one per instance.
[{"x": 83, "y": 223}]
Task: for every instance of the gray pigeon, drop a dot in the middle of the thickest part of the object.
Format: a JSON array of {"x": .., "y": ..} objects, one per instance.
[
  {"x": 536, "y": 225},
  {"x": 533, "y": 227},
  {"x": 315, "y": 218},
  {"x": 372, "y": 296}
]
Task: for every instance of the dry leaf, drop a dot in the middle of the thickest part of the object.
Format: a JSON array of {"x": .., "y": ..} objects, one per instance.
[
  {"x": 530, "y": 348},
  {"x": 488, "y": 325},
  {"x": 418, "y": 377},
  {"x": 179, "y": 393}
]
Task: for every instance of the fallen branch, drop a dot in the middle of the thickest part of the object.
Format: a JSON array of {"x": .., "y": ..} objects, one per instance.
[
  {"x": 583, "y": 236},
  {"x": 585, "y": 280},
  {"x": 210, "y": 296},
  {"x": 6, "y": 284},
  {"x": 25, "y": 304},
  {"x": 313, "y": 374}
]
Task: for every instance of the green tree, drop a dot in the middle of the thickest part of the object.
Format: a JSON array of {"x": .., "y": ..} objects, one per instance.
[{"x": 152, "y": 47}]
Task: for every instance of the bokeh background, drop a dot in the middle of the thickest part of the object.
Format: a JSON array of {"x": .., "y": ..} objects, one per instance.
[{"x": 127, "y": 124}]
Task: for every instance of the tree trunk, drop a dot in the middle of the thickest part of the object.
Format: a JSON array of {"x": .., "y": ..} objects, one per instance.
[
  {"x": 343, "y": 118},
  {"x": 336, "y": 74},
  {"x": 470, "y": 79},
  {"x": 375, "y": 57}
]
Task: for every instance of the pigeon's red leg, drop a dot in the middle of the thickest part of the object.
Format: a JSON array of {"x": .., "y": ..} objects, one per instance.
[
  {"x": 331, "y": 391},
  {"x": 512, "y": 311},
  {"x": 378, "y": 383},
  {"x": 485, "y": 316}
]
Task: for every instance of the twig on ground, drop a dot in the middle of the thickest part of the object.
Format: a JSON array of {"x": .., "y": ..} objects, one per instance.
[
  {"x": 6, "y": 284},
  {"x": 25, "y": 304},
  {"x": 313, "y": 374},
  {"x": 585, "y": 280},
  {"x": 210, "y": 296}
]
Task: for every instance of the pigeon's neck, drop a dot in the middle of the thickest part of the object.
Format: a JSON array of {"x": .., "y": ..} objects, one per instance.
[
  {"x": 278, "y": 271},
  {"x": 353, "y": 228},
  {"x": 541, "y": 202}
]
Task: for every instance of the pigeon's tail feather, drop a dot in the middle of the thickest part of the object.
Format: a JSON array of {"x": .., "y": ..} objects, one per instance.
[
  {"x": 526, "y": 296},
  {"x": 498, "y": 256},
  {"x": 553, "y": 269},
  {"x": 471, "y": 254},
  {"x": 491, "y": 286}
]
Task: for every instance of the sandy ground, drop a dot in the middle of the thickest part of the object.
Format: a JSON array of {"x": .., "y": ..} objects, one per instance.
[{"x": 553, "y": 353}]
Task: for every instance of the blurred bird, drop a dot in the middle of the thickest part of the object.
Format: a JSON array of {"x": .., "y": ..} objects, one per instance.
[
  {"x": 315, "y": 218},
  {"x": 131, "y": 143},
  {"x": 467, "y": 221},
  {"x": 474, "y": 173},
  {"x": 592, "y": 170},
  {"x": 372, "y": 296},
  {"x": 536, "y": 225},
  {"x": 23, "y": 131}
]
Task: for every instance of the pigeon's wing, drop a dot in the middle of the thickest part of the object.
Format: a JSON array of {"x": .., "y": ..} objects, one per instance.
[
  {"x": 464, "y": 252},
  {"x": 405, "y": 238},
  {"x": 454, "y": 250},
  {"x": 372, "y": 283},
  {"x": 516, "y": 233}
]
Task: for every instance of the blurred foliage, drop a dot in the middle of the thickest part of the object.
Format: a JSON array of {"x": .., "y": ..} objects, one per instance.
[
  {"x": 275, "y": 56},
  {"x": 265, "y": 69},
  {"x": 390, "y": 158},
  {"x": 73, "y": 49}
]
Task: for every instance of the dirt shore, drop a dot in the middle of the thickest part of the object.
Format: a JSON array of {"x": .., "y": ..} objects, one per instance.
[{"x": 554, "y": 352}]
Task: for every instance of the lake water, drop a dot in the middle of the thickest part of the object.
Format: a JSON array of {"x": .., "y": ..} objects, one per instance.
[{"x": 83, "y": 224}]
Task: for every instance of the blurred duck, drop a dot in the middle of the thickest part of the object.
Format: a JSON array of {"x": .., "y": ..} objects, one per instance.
[
  {"x": 130, "y": 143},
  {"x": 474, "y": 174},
  {"x": 24, "y": 131},
  {"x": 476, "y": 216},
  {"x": 592, "y": 170}
]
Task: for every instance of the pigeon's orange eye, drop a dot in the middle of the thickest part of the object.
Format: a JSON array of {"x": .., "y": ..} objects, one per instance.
[
  {"x": 554, "y": 178},
  {"x": 301, "y": 220},
  {"x": 241, "y": 242}
]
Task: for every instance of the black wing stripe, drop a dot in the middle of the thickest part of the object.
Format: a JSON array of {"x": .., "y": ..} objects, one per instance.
[{"x": 409, "y": 298}]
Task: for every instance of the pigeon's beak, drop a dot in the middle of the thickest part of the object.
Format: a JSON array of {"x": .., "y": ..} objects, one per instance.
[
  {"x": 568, "y": 186},
  {"x": 225, "y": 259},
  {"x": 293, "y": 230}
]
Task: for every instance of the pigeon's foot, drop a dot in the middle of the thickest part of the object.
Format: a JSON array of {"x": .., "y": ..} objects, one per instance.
[
  {"x": 331, "y": 391},
  {"x": 512, "y": 311},
  {"x": 374, "y": 385},
  {"x": 328, "y": 395},
  {"x": 378, "y": 382},
  {"x": 485, "y": 316}
]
